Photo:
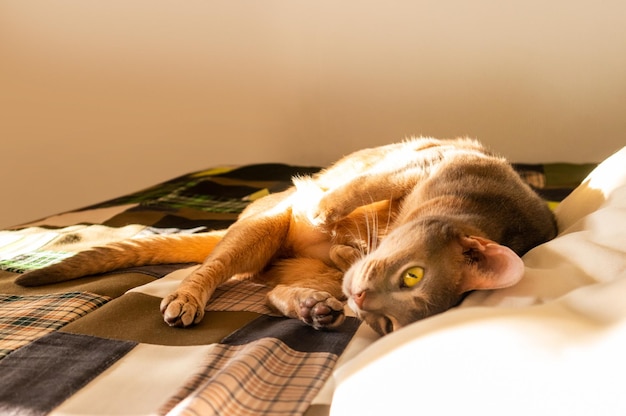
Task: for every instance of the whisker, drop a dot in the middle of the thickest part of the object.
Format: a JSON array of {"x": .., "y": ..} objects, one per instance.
[
  {"x": 389, "y": 215},
  {"x": 367, "y": 227},
  {"x": 360, "y": 237},
  {"x": 375, "y": 222}
]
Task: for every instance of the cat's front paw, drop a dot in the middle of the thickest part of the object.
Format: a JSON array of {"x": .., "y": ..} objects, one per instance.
[
  {"x": 181, "y": 310},
  {"x": 321, "y": 310},
  {"x": 325, "y": 214}
]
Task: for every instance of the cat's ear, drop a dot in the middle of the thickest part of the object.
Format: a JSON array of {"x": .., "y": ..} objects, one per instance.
[{"x": 489, "y": 265}]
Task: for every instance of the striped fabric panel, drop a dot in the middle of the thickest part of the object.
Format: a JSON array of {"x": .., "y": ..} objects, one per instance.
[
  {"x": 264, "y": 377},
  {"x": 171, "y": 187},
  {"x": 240, "y": 295},
  {"x": 14, "y": 243},
  {"x": 141, "y": 197},
  {"x": 26, "y": 318},
  {"x": 189, "y": 192}
]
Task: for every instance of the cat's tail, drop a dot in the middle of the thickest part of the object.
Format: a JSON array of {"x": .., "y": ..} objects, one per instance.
[{"x": 181, "y": 248}]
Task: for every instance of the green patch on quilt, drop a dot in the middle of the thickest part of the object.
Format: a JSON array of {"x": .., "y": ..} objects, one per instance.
[
  {"x": 181, "y": 198},
  {"x": 566, "y": 175},
  {"x": 199, "y": 193},
  {"x": 32, "y": 261}
]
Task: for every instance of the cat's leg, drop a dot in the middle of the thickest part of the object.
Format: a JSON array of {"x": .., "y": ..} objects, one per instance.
[
  {"x": 158, "y": 249},
  {"x": 247, "y": 248},
  {"x": 378, "y": 174},
  {"x": 380, "y": 185},
  {"x": 306, "y": 289}
]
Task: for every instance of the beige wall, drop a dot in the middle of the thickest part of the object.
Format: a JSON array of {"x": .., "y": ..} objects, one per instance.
[{"x": 100, "y": 98}]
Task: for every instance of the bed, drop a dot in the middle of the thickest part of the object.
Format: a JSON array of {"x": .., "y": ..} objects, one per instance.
[{"x": 553, "y": 344}]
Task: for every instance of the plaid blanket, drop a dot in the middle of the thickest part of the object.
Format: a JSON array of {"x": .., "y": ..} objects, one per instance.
[{"x": 98, "y": 345}]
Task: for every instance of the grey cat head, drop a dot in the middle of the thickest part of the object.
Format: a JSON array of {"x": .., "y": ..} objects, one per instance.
[{"x": 423, "y": 268}]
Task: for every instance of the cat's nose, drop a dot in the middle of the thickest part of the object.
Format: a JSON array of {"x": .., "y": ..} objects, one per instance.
[{"x": 359, "y": 298}]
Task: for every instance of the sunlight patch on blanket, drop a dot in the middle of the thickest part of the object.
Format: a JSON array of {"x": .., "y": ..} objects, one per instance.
[
  {"x": 32, "y": 261},
  {"x": 157, "y": 372}
]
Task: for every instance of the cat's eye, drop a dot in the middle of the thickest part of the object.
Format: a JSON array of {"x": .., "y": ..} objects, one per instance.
[{"x": 412, "y": 276}]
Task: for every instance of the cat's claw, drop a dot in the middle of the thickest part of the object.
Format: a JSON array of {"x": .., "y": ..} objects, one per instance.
[
  {"x": 181, "y": 310},
  {"x": 321, "y": 310}
]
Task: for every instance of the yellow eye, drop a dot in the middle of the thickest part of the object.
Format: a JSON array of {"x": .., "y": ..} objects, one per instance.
[{"x": 412, "y": 276}]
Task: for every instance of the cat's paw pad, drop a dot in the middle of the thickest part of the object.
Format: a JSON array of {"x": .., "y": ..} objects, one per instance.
[
  {"x": 322, "y": 310},
  {"x": 181, "y": 310}
]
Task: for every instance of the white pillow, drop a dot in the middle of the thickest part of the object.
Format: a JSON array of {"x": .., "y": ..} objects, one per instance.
[{"x": 553, "y": 344}]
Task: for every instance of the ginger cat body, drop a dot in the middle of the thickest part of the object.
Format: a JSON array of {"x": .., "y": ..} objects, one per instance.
[{"x": 401, "y": 231}]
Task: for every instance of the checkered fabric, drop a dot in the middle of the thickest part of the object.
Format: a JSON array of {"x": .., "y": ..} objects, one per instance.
[
  {"x": 26, "y": 318},
  {"x": 274, "y": 366},
  {"x": 264, "y": 377},
  {"x": 240, "y": 295}
]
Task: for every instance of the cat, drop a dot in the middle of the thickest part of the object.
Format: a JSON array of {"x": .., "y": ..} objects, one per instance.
[{"x": 401, "y": 232}]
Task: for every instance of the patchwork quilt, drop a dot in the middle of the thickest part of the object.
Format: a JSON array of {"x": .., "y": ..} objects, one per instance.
[{"x": 98, "y": 345}]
